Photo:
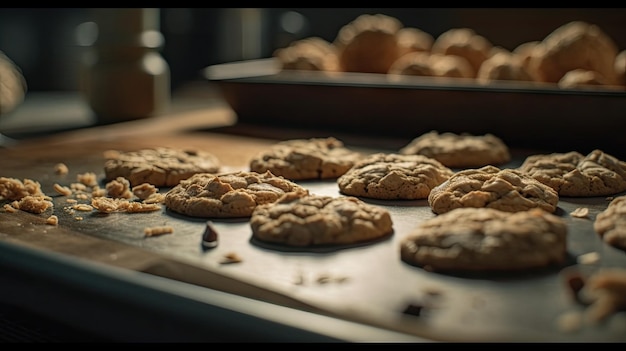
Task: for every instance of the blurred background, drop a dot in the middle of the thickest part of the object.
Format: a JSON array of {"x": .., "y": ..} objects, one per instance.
[{"x": 47, "y": 43}]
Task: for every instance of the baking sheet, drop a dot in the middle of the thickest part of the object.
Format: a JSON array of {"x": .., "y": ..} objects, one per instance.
[
  {"x": 366, "y": 283},
  {"x": 523, "y": 114}
]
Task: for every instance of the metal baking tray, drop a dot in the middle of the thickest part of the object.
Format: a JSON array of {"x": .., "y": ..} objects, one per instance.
[
  {"x": 523, "y": 114},
  {"x": 367, "y": 284}
]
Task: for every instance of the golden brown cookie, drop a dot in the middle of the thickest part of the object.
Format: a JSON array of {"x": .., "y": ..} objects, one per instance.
[
  {"x": 13, "y": 85},
  {"x": 319, "y": 220},
  {"x": 432, "y": 65},
  {"x": 576, "y": 175},
  {"x": 411, "y": 39},
  {"x": 160, "y": 166},
  {"x": 459, "y": 150},
  {"x": 584, "y": 78},
  {"x": 393, "y": 177},
  {"x": 502, "y": 189},
  {"x": 620, "y": 68},
  {"x": 487, "y": 240},
  {"x": 412, "y": 64},
  {"x": 610, "y": 224},
  {"x": 502, "y": 66},
  {"x": 228, "y": 195},
  {"x": 309, "y": 54},
  {"x": 369, "y": 43},
  {"x": 451, "y": 66},
  {"x": 576, "y": 44},
  {"x": 464, "y": 42},
  {"x": 306, "y": 159}
]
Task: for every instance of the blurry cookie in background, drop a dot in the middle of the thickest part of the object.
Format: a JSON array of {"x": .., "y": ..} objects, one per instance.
[
  {"x": 575, "y": 45},
  {"x": 425, "y": 64},
  {"x": 411, "y": 39},
  {"x": 620, "y": 68},
  {"x": 451, "y": 66},
  {"x": 464, "y": 42},
  {"x": 584, "y": 78},
  {"x": 412, "y": 64},
  {"x": 13, "y": 85},
  {"x": 459, "y": 150},
  {"x": 502, "y": 66},
  {"x": 524, "y": 52},
  {"x": 310, "y": 54},
  {"x": 369, "y": 44}
]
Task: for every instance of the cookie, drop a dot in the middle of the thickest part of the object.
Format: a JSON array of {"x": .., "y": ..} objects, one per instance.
[
  {"x": 502, "y": 66},
  {"x": 393, "y": 177},
  {"x": 369, "y": 44},
  {"x": 319, "y": 220},
  {"x": 576, "y": 44},
  {"x": 610, "y": 224},
  {"x": 464, "y": 42},
  {"x": 583, "y": 78},
  {"x": 160, "y": 166},
  {"x": 460, "y": 150},
  {"x": 308, "y": 54},
  {"x": 507, "y": 190},
  {"x": 573, "y": 174},
  {"x": 425, "y": 64},
  {"x": 228, "y": 195},
  {"x": 306, "y": 159},
  {"x": 487, "y": 239}
]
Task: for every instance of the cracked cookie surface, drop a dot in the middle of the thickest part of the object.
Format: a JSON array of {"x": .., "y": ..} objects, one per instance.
[
  {"x": 393, "y": 177},
  {"x": 320, "y": 220},
  {"x": 306, "y": 159},
  {"x": 486, "y": 239},
  {"x": 502, "y": 189},
  {"x": 576, "y": 175},
  {"x": 160, "y": 166},
  {"x": 228, "y": 195}
]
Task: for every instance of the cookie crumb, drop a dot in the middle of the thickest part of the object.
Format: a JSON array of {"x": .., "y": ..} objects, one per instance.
[
  {"x": 231, "y": 257},
  {"x": 61, "y": 169},
  {"x": 588, "y": 258},
  {"x": 571, "y": 321},
  {"x": 62, "y": 190},
  {"x": 580, "y": 212},
  {"x": 52, "y": 220},
  {"x": 155, "y": 231}
]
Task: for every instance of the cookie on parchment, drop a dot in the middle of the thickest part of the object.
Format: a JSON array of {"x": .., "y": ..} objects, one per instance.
[
  {"x": 319, "y": 220},
  {"x": 160, "y": 166},
  {"x": 306, "y": 159},
  {"x": 228, "y": 195},
  {"x": 393, "y": 177},
  {"x": 502, "y": 189},
  {"x": 576, "y": 175},
  {"x": 460, "y": 150},
  {"x": 610, "y": 224},
  {"x": 485, "y": 239}
]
